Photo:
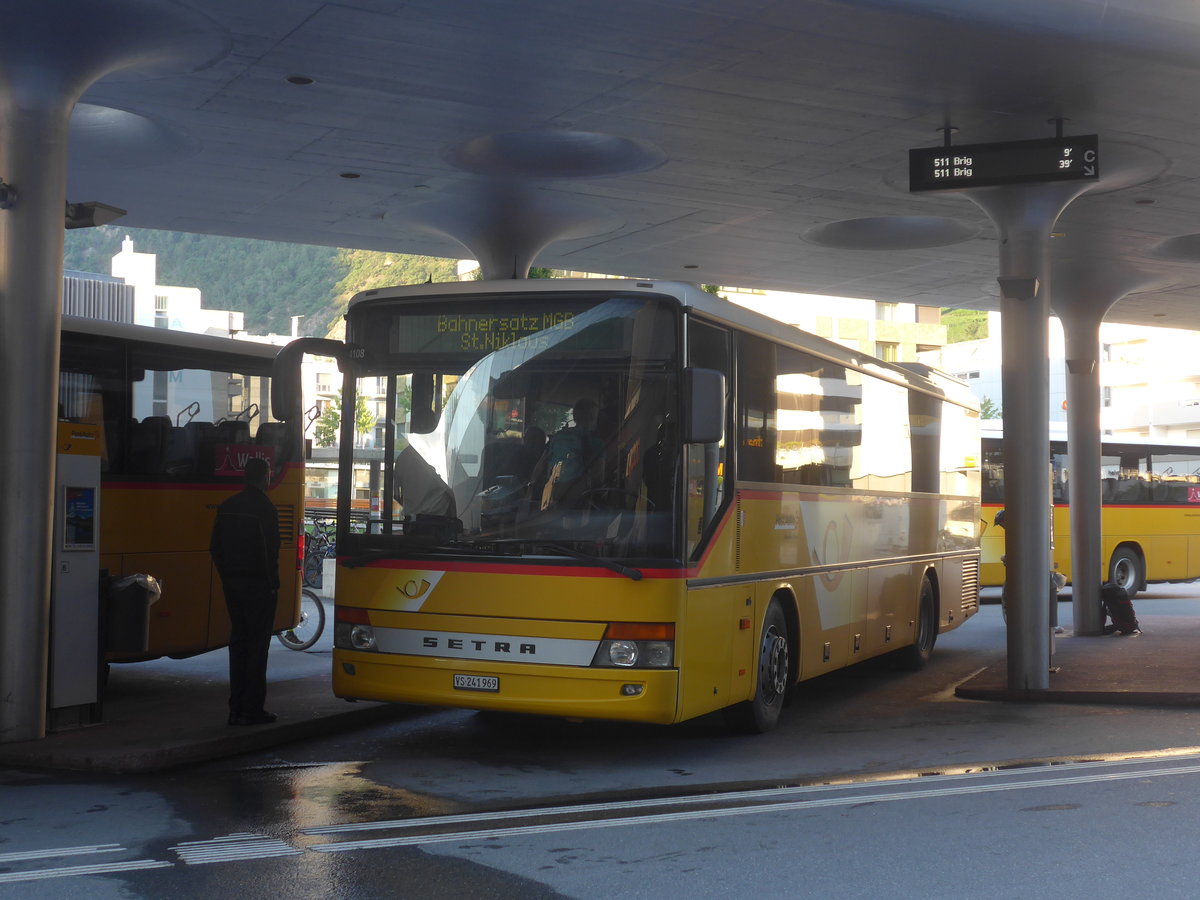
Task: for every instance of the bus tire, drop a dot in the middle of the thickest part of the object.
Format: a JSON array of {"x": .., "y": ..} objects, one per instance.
[
  {"x": 914, "y": 657},
  {"x": 1126, "y": 569},
  {"x": 760, "y": 714}
]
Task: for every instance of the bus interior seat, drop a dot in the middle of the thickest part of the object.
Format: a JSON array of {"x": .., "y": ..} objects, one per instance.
[
  {"x": 500, "y": 457},
  {"x": 179, "y": 454},
  {"x": 233, "y": 431},
  {"x": 204, "y": 440},
  {"x": 1130, "y": 490},
  {"x": 148, "y": 444},
  {"x": 113, "y": 456},
  {"x": 274, "y": 435},
  {"x": 1109, "y": 490}
]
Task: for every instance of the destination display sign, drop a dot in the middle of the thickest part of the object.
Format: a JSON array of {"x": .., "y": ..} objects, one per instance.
[
  {"x": 474, "y": 332},
  {"x": 1011, "y": 162}
]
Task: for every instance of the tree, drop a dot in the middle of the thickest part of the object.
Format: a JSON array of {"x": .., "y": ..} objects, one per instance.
[
  {"x": 329, "y": 424},
  {"x": 989, "y": 409}
]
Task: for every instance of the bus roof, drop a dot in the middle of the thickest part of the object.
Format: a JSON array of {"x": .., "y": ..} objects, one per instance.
[
  {"x": 709, "y": 306},
  {"x": 165, "y": 337}
]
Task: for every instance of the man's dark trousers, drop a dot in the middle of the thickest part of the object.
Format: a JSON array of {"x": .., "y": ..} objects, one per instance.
[{"x": 251, "y": 605}]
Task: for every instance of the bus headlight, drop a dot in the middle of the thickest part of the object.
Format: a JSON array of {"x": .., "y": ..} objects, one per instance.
[
  {"x": 362, "y": 637},
  {"x": 657, "y": 654},
  {"x": 352, "y": 630},
  {"x": 637, "y": 645},
  {"x": 348, "y": 636},
  {"x": 623, "y": 653}
]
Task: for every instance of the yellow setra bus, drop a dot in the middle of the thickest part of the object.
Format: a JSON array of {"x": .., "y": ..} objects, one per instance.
[
  {"x": 1150, "y": 510},
  {"x": 176, "y": 416},
  {"x": 633, "y": 500}
]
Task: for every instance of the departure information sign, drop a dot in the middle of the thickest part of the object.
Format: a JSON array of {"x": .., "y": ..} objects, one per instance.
[{"x": 1012, "y": 162}]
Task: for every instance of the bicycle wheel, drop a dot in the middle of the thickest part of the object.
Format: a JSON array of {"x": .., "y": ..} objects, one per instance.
[
  {"x": 313, "y": 568},
  {"x": 312, "y": 622}
]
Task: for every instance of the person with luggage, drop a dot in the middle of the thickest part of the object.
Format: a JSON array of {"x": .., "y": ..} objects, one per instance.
[{"x": 1119, "y": 609}]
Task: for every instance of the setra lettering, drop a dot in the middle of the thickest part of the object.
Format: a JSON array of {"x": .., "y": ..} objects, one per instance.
[{"x": 432, "y": 642}]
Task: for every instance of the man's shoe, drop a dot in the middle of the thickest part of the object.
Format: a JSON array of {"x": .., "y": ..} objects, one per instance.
[{"x": 262, "y": 717}]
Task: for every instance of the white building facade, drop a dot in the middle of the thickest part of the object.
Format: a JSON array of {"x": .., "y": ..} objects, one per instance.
[{"x": 1149, "y": 377}]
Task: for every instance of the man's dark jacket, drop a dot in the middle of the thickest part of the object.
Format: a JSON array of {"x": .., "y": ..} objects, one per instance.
[{"x": 245, "y": 538}]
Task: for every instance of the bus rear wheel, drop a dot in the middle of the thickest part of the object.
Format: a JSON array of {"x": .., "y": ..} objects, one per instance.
[
  {"x": 915, "y": 656},
  {"x": 1125, "y": 569},
  {"x": 761, "y": 714}
]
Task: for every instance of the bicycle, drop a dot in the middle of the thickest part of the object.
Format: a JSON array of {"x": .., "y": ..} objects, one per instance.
[
  {"x": 308, "y": 630},
  {"x": 319, "y": 545}
]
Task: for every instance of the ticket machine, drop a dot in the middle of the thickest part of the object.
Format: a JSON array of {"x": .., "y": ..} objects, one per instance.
[{"x": 75, "y": 605}]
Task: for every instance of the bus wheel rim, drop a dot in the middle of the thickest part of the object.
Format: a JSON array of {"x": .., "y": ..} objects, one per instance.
[{"x": 773, "y": 672}]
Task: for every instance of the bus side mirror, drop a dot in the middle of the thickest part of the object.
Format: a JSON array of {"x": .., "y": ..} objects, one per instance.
[
  {"x": 287, "y": 396},
  {"x": 704, "y": 405}
]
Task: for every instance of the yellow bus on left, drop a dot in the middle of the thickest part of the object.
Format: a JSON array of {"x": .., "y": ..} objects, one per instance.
[{"x": 177, "y": 415}]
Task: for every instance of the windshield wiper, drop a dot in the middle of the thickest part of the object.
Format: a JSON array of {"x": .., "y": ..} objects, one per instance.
[
  {"x": 610, "y": 564},
  {"x": 369, "y": 556}
]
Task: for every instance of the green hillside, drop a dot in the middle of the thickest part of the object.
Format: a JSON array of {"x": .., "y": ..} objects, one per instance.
[
  {"x": 269, "y": 281},
  {"x": 964, "y": 325}
]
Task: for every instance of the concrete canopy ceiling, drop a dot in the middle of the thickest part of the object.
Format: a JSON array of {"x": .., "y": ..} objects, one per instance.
[{"x": 759, "y": 143}]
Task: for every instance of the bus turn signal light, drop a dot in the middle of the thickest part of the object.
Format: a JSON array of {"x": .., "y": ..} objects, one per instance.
[{"x": 640, "y": 631}]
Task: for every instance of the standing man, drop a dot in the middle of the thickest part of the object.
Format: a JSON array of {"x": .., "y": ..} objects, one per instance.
[{"x": 245, "y": 548}]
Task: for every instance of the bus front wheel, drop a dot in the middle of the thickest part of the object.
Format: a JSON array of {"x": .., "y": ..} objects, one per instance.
[
  {"x": 760, "y": 714},
  {"x": 1125, "y": 569}
]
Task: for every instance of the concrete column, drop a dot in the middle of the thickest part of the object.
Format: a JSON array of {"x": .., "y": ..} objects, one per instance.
[
  {"x": 33, "y": 159},
  {"x": 1024, "y": 217},
  {"x": 1086, "y": 289},
  {"x": 51, "y": 51},
  {"x": 1081, "y": 329}
]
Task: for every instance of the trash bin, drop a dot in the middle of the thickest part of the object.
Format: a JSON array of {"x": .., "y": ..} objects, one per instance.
[{"x": 129, "y": 602}]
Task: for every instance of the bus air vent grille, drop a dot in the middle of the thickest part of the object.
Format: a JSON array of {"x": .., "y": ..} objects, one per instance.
[
  {"x": 970, "y": 584},
  {"x": 287, "y": 525}
]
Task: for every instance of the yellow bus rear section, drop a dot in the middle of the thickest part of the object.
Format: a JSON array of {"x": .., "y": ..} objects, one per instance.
[{"x": 163, "y": 530}]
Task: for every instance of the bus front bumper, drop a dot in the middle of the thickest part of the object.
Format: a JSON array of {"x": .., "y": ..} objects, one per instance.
[{"x": 631, "y": 695}]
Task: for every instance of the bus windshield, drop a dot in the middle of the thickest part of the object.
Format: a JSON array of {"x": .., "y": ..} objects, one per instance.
[{"x": 531, "y": 423}]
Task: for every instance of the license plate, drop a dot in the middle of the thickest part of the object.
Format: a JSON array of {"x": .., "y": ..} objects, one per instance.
[{"x": 476, "y": 683}]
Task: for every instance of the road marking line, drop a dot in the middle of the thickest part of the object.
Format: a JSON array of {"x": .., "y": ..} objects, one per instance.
[
  {"x": 233, "y": 847},
  {"x": 68, "y": 871},
  {"x": 60, "y": 851},
  {"x": 734, "y": 796},
  {"x": 796, "y": 805}
]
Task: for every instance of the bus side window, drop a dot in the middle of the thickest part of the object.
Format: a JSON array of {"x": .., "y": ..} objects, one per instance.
[{"x": 756, "y": 434}]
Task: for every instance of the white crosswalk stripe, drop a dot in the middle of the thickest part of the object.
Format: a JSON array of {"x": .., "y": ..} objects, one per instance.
[{"x": 233, "y": 847}]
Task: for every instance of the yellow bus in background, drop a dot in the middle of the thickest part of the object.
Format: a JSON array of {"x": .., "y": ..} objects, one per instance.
[
  {"x": 1150, "y": 514},
  {"x": 178, "y": 414},
  {"x": 633, "y": 500}
]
